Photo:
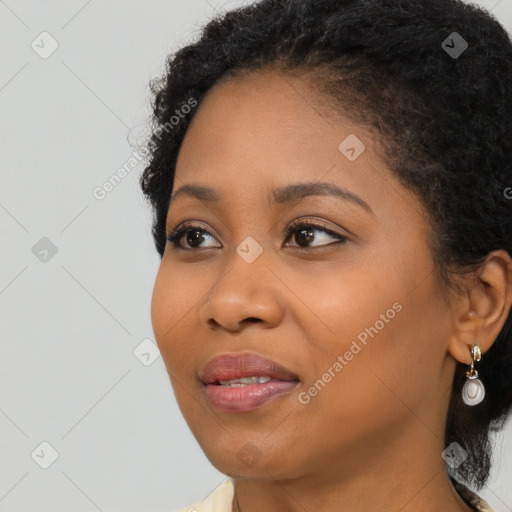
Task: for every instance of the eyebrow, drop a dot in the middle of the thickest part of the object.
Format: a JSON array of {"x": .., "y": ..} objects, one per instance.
[{"x": 280, "y": 195}]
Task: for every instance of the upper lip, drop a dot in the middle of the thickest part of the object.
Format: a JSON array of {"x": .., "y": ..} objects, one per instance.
[{"x": 235, "y": 365}]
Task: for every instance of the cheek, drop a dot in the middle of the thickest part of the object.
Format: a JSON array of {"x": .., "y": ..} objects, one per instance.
[
  {"x": 161, "y": 305},
  {"x": 348, "y": 302},
  {"x": 389, "y": 324},
  {"x": 376, "y": 387},
  {"x": 398, "y": 359},
  {"x": 171, "y": 314},
  {"x": 174, "y": 314}
]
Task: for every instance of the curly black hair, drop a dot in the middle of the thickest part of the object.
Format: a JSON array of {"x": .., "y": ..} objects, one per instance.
[{"x": 443, "y": 112}]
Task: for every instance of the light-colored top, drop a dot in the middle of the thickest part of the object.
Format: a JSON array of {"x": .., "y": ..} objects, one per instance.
[{"x": 220, "y": 499}]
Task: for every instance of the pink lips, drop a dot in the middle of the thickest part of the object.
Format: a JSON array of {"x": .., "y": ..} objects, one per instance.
[{"x": 231, "y": 366}]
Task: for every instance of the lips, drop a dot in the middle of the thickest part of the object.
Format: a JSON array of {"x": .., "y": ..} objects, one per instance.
[{"x": 236, "y": 365}]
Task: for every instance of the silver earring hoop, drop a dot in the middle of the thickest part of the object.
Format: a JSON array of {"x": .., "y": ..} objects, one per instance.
[{"x": 473, "y": 391}]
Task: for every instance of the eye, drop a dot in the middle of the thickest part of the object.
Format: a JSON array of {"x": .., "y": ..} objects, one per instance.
[
  {"x": 304, "y": 235},
  {"x": 194, "y": 234}
]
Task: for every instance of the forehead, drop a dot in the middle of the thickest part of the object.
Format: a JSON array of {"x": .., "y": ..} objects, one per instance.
[{"x": 263, "y": 125}]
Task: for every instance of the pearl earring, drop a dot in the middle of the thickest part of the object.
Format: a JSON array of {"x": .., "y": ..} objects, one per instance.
[{"x": 473, "y": 391}]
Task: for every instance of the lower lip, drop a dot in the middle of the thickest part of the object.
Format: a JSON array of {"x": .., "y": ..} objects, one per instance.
[{"x": 246, "y": 398}]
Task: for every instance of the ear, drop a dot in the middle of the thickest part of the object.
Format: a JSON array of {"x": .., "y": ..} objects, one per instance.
[{"x": 484, "y": 307}]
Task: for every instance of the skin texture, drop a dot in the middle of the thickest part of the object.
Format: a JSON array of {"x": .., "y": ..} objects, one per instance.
[{"x": 372, "y": 438}]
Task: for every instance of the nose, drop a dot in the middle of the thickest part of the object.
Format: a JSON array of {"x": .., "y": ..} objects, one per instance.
[{"x": 245, "y": 294}]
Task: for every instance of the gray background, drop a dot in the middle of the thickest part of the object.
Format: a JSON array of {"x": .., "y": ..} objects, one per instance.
[{"x": 71, "y": 374}]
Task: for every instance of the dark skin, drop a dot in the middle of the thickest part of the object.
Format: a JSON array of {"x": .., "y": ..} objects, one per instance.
[{"x": 372, "y": 438}]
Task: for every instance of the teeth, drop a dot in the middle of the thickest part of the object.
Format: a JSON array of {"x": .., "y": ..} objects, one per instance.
[{"x": 244, "y": 381}]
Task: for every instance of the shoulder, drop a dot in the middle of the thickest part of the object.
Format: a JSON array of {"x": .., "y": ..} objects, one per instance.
[
  {"x": 219, "y": 500},
  {"x": 471, "y": 498}
]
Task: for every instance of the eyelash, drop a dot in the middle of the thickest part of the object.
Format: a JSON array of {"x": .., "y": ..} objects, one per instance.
[{"x": 175, "y": 237}]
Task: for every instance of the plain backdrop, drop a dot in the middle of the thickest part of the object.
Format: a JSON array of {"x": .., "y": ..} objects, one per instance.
[{"x": 88, "y": 419}]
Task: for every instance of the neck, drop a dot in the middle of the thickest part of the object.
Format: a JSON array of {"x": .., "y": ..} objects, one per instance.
[{"x": 410, "y": 478}]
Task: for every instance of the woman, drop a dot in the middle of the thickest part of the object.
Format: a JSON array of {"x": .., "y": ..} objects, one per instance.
[{"x": 331, "y": 184}]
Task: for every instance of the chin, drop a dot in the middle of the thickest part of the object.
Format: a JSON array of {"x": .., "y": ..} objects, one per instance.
[{"x": 247, "y": 459}]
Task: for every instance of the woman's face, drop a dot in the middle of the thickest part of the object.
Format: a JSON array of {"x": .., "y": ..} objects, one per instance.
[{"x": 356, "y": 316}]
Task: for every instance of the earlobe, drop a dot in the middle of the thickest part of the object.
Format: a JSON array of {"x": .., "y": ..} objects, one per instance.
[{"x": 484, "y": 308}]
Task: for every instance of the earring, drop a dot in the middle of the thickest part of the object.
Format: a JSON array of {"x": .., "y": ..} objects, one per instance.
[{"x": 473, "y": 391}]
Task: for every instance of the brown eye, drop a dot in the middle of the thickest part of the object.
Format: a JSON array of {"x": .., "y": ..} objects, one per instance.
[
  {"x": 304, "y": 234},
  {"x": 193, "y": 234}
]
